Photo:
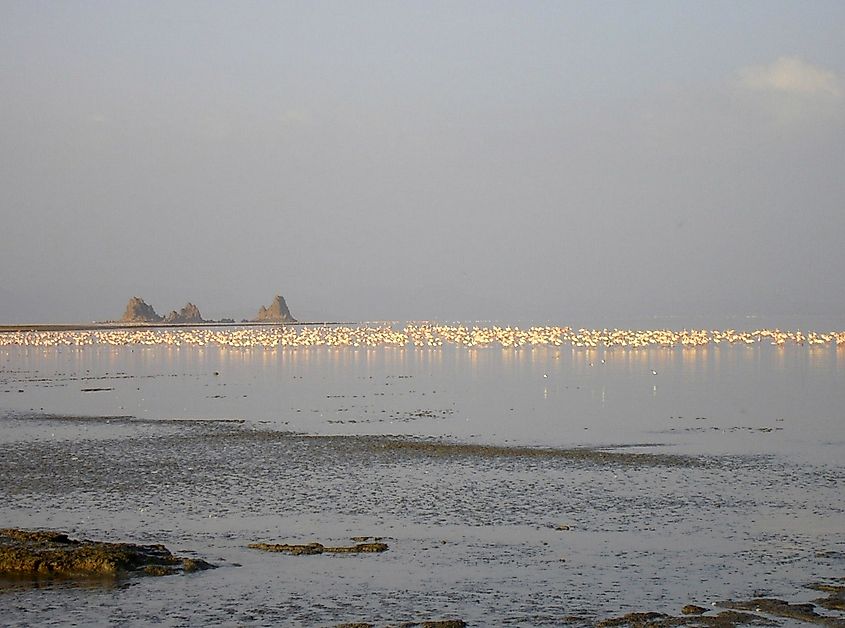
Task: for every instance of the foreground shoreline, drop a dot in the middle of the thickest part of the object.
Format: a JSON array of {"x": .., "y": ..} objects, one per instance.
[
  {"x": 56, "y": 470},
  {"x": 35, "y": 558},
  {"x": 476, "y": 471}
]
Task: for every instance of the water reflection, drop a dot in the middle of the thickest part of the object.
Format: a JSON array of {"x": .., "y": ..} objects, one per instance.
[{"x": 494, "y": 394}]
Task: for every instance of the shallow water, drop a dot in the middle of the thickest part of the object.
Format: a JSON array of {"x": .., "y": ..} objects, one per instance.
[{"x": 726, "y": 479}]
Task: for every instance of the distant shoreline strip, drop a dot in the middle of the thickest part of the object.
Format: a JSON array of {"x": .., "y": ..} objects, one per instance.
[{"x": 411, "y": 335}]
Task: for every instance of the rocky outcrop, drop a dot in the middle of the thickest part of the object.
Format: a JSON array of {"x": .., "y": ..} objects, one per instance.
[
  {"x": 754, "y": 612},
  {"x": 35, "y": 553},
  {"x": 138, "y": 311},
  {"x": 309, "y": 549},
  {"x": 188, "y": 314},
  {"x": 278, "y": 312}
]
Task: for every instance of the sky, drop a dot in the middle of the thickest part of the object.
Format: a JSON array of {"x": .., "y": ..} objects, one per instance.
[{"x": 543, "y": 161}]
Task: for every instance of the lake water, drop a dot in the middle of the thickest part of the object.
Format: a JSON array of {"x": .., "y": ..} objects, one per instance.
[{"x": 725, "y": 480}]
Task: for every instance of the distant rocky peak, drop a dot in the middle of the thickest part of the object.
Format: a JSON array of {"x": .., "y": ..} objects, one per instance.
[
  {"x": 138, "y": 311},
  {"x": 278, "y": 312},
  {"x": 188, "y": 314}
]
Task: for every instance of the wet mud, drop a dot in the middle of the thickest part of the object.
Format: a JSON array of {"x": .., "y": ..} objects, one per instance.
[
  {"x": 603, "y": 455},
  {"x": 404, "y": 445},
  {"x": 493, "y": 534}
]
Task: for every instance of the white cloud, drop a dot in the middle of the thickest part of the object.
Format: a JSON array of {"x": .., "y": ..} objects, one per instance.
[
  {"x": 792, "y": 95},
  {"x": 792, "y": 75}
]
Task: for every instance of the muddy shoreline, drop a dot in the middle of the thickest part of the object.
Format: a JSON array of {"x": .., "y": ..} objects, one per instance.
[
  {"x": 37, "y": 558},
  {"x": 235, "y": 431},
  {"x": 147, "y": 464},
  {"x": 314, "y": 459}
]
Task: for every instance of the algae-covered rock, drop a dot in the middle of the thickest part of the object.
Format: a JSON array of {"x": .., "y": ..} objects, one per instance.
[
  {"x": 435, "y": 623},
  {"x": 305, "y": 549},
  {"x": 725, "y": 619},
  {"x": 753, "y": 612},
  {"x": 37, "y": 553},
  {"x": 634, "y": 619},
  {"x": 692, "y": 609},
  {"x": 729, "y": 619},
  {"x": 358, "y": 548},
  {"x": 308, "y": 549},
  {"x": 835, "y": 600},
  {"x": 780, "y": 608}
]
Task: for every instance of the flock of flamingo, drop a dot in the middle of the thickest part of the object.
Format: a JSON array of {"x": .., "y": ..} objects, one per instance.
[{"x": 413, "y": 335}]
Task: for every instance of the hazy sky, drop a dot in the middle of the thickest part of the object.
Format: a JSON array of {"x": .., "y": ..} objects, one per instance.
[{"x": 370, "y": 160}]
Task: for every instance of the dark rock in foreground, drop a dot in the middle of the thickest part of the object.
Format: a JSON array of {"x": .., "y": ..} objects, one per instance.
[
  {"x": 780, "y": 608},
  {"x": 138, "y": 311},
  {"x": 34, "y": 553},
  {"x": 835, "y": 600},
  {"x": 278, "y": 312},
  {"x": 435, "y": 623},
  {"x": 725, "y": 619},
  {"x": 754, "y": 612},
  {"x": 308, "y": 549}
]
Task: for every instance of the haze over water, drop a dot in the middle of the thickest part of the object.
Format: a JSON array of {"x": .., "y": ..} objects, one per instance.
[
  {"x": 621, "y": 222},
  {"x": 447, "y": 161}
]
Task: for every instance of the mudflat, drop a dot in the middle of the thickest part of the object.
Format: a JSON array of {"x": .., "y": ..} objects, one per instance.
[{"x": 539, "y": 487}]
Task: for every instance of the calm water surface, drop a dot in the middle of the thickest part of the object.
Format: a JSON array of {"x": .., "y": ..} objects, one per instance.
[{"x": 757, "y": 509}]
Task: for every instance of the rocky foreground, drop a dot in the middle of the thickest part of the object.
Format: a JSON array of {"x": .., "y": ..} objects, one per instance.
[
  {"x": 37, "y": 554},
  {"x": 754, "y": 612},
  {"x": 309, "y": 549}
]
